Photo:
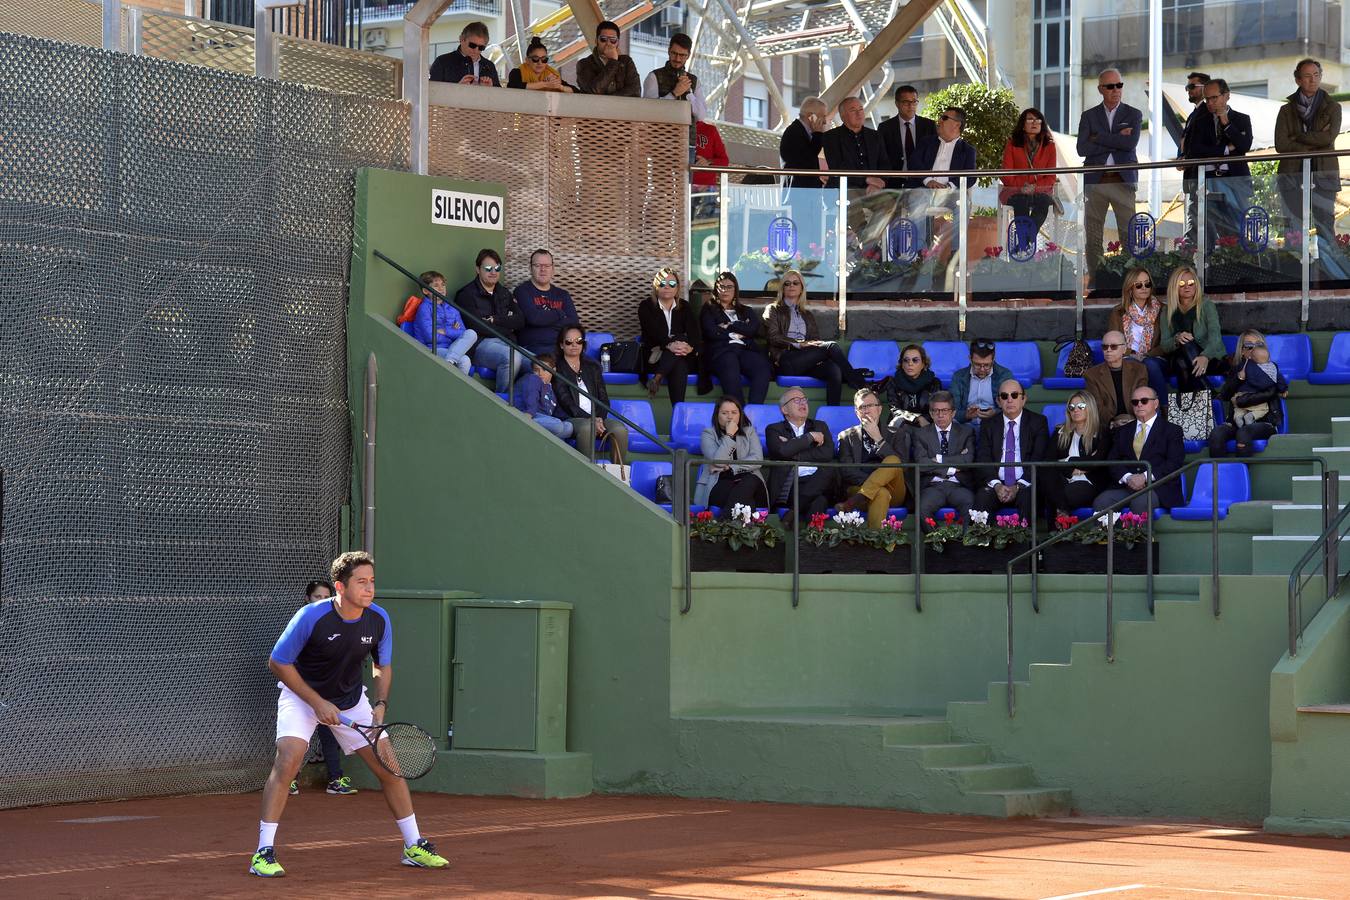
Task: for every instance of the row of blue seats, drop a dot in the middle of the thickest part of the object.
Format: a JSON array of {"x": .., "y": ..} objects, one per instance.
[{"x": 1234, "y": 479}]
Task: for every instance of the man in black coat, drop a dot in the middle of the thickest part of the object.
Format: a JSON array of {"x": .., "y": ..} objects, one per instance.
[
  {"x": 805, "y": 440},
  {"x": 1006, "y": 441},
  {"x": 853, "y": 146},
  {"x": 1219, "y": 131},
  {"x": 799, "y": 147},
  {"x": 902, "y": 134},
  {"x": 941, "y": 449},
  {"x": 1152, "y": 440}
]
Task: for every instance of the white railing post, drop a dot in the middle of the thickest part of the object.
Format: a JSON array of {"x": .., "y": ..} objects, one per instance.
[
  {"x": 112, "y": 24},
  {"x": 135, "y": 30},
  {"x": 417, "y": 24}
]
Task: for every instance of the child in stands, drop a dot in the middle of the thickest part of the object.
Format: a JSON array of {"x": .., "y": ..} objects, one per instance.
[
  {"x": 1262, "y": 375},
  {"x": 534, "y": 397},
  {"x": 452, "y": 341}
]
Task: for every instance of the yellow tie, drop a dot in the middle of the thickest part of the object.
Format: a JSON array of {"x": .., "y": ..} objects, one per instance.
[{"x": 1139, "y": 437}]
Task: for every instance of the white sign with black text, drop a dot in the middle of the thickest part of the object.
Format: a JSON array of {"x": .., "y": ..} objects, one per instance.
[{"x": 466, "y": 210}]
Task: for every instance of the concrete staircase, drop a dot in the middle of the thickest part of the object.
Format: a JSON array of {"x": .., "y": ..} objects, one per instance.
[{"x": 1296, "y": 524}]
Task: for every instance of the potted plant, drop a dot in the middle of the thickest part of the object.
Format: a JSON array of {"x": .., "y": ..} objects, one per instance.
[
  {"x": 845, "y": 544},
  {"x": 979, "y": 547},
  {"x": 744, "y": 541},
  {"x": 1084, "y": 552}
]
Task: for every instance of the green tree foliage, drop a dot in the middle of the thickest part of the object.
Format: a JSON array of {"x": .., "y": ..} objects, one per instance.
[{"x": 991, "y": 114}]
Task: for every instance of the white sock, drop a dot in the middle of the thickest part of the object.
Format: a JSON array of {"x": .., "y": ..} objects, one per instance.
[
  {"x": 267, "y": 833},
  {"x": 409, "y": 828}
]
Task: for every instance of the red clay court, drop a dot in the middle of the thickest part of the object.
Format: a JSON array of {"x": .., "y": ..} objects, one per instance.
[{"x": 641, "y": 846}]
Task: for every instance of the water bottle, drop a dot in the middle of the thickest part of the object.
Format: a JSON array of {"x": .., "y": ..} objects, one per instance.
[{"x": 604, "y": 360}]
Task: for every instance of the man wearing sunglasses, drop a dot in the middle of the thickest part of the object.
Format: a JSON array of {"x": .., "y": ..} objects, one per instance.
[
  {"x": 1219, "y": 131},
  {"x": 607, "y": 71},
  {"x": 1112, "y": 382},
  {"x": 1153, "y": 440},
  {"x": 938, "y": 154},
  {"x": 467, "y": 65},
  {"x": 1108, "y": 134},
  {"x": 1006, "y": 441}
]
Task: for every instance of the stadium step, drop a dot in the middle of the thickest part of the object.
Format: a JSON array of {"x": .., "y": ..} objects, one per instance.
[
  {"x": 1340, "y": 431},
  {"x": 1277, "y": 554},
  {"x": 1308, "y": 489},
  {"x": 989, "y": 776},
  {"x": 1296, "y": 518},
  {"x": 1040, "y": 802},
  {"x": 1327, "y": 709}
]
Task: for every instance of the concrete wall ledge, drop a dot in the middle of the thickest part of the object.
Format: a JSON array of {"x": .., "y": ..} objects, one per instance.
[{"x": 549, "y": 103}]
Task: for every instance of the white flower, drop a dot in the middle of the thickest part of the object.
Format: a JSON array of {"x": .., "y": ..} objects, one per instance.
[
  {"x": 849, "y": 518},
  {"x": 742, "y": 513},
  {"x": 979, "y": 517},
  {"x": 1104, "y": 520}
]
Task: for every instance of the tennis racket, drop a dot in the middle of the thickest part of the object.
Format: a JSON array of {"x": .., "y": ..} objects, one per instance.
[{"x": 400, "y": 747}]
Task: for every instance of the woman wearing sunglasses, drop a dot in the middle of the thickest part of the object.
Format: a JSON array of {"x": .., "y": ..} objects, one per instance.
[
  {"x": 795, "y": 345},
  {"x": 1136, "y": 317},
  {"x": 729, "y": 328},
  {"x": 1031, "y": 147},
  {"x": 911, "y": 386},
  {"x": 536, "y": 74},
  {"x": 1189, "y": 333},
  {"x": 670, "y": 337},
  {"x": 588, "y": 420},
  {"x": 1080, "y": 436},
  {"x": 1248, "y": 389},
  {"x": 488, "y": 299}
]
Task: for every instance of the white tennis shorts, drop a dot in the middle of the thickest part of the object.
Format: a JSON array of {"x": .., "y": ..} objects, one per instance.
[{"x": 296, "y": 718}]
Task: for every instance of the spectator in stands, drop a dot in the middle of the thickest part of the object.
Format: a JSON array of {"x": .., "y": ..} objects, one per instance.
[
  {"x": 799, "y": 148},
  {"x": 944, "y": 451},
  {"x": 1006, "y": 441},
  {"x": 1080, "y": 436},
  {"x": 1031, "y": 146},
  {"x": 1152, "y": 440},
  {"x": 488, "y": 299},
  {"x": 670, "y": 337},
  {"x": 338, "y": 783},
  {"x": 902, "y": 133},
  {"x": 1220, "y": 131},
  {"x": 1136, "y": 317},
  {"x": 536, "y": 74},
  {"x": 802, "y": 439},
  {"x": 911, "y": 388},
  {"x": 938, "y": 154},
  {"x": 795, "y": 345},
  {"x": 1309, "y": 120},
  {"x": 709, "y": 150},
  {"x": 1108, "y": 134},
  {"x": 865, "y": 446},
  {"x": 536, "y": 399},
  {"x": 589, "y": 420},
  {"x": 467, "y": 65},
  {"x": 673, "y": 81},
  {"x": 1195, "y": 94},
  {"x": 1189, "y": 332},
  {"x": 607, "y": 71},
  {"x": 729, "y": 347},
  {"x": 974, "y": 388},
  {"x": 544, "y": 307},
  {"x": 1111, "y": 383},
  {"x": 1251, "y": 396},
  {"x": 731, "y": 438},
  {"x": 451, "y": 340},
  {"x": 854, "y": 146}
]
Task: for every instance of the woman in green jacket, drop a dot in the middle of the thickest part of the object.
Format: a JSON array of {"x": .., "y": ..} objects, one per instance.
[{"x": 1189, "y": 335}]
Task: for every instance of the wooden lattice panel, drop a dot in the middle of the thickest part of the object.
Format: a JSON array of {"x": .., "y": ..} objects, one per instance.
[
  {"x": 72, "y": 21},
  {"x": 605, "y": 196},
  {"x": 338, "y": 69},
  {"x": 195, "y": 41}
]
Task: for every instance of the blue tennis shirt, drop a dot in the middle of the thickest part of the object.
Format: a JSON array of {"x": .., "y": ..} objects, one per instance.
[{"x": 328, "y": 650}]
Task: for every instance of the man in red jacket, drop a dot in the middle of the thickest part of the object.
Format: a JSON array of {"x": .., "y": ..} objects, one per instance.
[{"x": 708, "y": 151}]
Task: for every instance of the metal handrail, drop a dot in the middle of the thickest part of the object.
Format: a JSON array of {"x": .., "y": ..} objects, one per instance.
[
  {"x": 1327, "y": 543},
  {"x": 438, "y": 297}
]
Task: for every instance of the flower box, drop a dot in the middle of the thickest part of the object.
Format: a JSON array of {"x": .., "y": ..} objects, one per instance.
[
  {"x": 959, "y": 559},
  {"x": 710, "y": 556},
  {"x": 850, "y": 559},
  {"x": 1070, "y": 558}
]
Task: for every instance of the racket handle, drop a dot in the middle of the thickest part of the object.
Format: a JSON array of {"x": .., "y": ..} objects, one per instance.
[{"x": 346, "y": 720}]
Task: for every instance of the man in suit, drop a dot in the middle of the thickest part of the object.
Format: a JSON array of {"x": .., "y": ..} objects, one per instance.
[
  {"x": 854, "y": 146},
  {"x": 1152, "y": 440},
  {"x": 941, "y": 449},
  {"x": 1195, "y": 95},
  {"x": 939, "y": 153},
  {"x": 1112, "y": 381},
  {"x": 902, "y": 134},
  {"x": 1221, "y": 131},
  {"x": 865, "y": 445},
  {"x": 803, "y": 440},
  {"x": 976, "y": 386},
  {"x": 799, "y": 148},
  {"x": 1309, "y": 120},
  {"x": 1016, "y": 436},
  {"x": 1108, "y": 134}
]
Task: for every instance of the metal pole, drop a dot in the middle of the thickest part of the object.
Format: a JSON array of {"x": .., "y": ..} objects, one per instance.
[
  {"x": 112, "y": 24},
  {"x": 680, "y": 503},
  {"x": 1035, "y": 514},
  {"x": 368, "y": 476},
  {"x": 1155, "y": 103},
  {"x": 1305, "y": 236},
  {"x": 1080, "y": 263},
  {"x": 795, "y": 512},
  {"x": 917, "y": 553},
  {"x": 1201, "y": 242},
  {"x": 1111, "y": 586},
  {"x": 1331, "y": 504},
  {"x": 416, "y": 44},
  {"x": 1148, "y": 550},
  {"x": 1012, "y": 704},
  {"x": 1214, "y": 535},
  {"x": 841, "y": 243},
  {"x": 962, "y": 287},
  {"x": 135, "y": 31},
  {"x": 722, "y": 213}
]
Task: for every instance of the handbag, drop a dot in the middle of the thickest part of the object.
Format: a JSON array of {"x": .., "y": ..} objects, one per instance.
[
  {"x": 624, "y": 356},
  {"x": 623, "y": 473},
  {"x": 1193, "y": 411},
  {"x": 665, "y": 488},
  {"x": 1079, "y": 359}
]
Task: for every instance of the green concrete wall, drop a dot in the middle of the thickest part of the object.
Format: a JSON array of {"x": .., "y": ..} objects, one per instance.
[{"x": 1178, "y": 725}]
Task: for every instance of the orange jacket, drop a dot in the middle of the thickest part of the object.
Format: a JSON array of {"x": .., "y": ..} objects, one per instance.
[{"x": 1016, "y": 158}]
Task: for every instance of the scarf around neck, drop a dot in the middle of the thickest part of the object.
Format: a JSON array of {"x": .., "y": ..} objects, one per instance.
[
  {"x": 906, "y": 385},
  {"x": 528, "y": 76}
]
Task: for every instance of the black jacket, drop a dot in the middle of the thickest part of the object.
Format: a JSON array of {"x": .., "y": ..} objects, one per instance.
[
  {"x": 841, "y": 153},
  {"x": 1233, "y": 385},
  {"x": 592, "y": 378},
  {"x": 498, "y": 309},
  {"x": 716, "y": 339},
  {"x": 1098, "y": 475},
  {"x": 1164, "y": 449},
  {"x": 1033, "y": 436},
  {"x": 894, "y": 442},
  {"x": 1203, "y": 141},
  {"x": 454, "y": 65},
  {"x": 895, "y": 144},
  {"x": 781, "y": 443},
  {"x": 682, "y": 327},
  {"x": 798, "y": 150}
]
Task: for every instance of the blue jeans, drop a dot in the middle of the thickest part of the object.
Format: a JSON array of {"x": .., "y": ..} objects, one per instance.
[
  {"x": 457, "y": 353},
  {"x": 494, "y": 353},
  {"x": 560, "y": 428},
  {"x": 1157, "y": 377}
]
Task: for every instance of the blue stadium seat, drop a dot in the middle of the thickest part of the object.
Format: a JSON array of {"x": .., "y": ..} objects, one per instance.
[
  {"x": 1337, "y": 370},
  {"x": 1230, "y": 343},
  {"x": 761, "y": 415},
  {"x": 1054, "y": 415},
  {"x": 408, "y": 329},
  {"x": 1234, "y": 487},
  {"x": 485, "y": 373},
  {"x": 1292, "y": 353},
  {"x": 639, "y": 412},
  {"x": 1260, "y": 446},
  {"x": 947, "y": 357},
  {"x": 838, "y": 418},
  {"x": 879, "y": 356},
  {"x": 687, "y": 421},
  {"x": 1022, "y": 358},
  {"x": 621, "y": 378},
  {"x": 644, "y": 475},
  {"x": 1061, "y": 382},
  {"x": 596, "y": 339},
  {"x": 801, "y": 381}
]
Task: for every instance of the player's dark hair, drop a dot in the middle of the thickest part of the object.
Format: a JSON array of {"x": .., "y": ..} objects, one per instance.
[
  {"x": 486, "y": 253},
  {"x": 1204, "y": 79},
  {"x": 310, "y": 588},
  {"x": 682, "y": 40},
  {"x": 606, "y": 26},
  {"x": 344, "y": 565}
]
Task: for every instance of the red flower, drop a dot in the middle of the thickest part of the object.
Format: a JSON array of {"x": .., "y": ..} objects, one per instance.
[
  {"x": 929, "y": 522},
  {"x": 949, "y": 518},
  {"x": 705, "y": 516},
  {"x": 1052, "y": 247}
]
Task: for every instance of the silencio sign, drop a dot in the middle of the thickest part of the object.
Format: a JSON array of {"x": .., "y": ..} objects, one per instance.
[{"x": 462, "y": 210}]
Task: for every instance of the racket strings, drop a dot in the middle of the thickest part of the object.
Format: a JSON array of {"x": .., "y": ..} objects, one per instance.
[{"x": 407, "y": 750}]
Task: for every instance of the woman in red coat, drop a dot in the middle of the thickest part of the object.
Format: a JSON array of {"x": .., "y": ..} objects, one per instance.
[{"x": 1031, "y": 146}]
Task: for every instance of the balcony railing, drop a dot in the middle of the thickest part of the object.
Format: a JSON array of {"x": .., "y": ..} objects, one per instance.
[{"x": 383, "y": 13}]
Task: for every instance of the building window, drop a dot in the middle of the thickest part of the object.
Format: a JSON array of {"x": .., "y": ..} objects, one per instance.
[
  {"x": 1050, "y": 60},
  {"x": 755, "y": 112}
]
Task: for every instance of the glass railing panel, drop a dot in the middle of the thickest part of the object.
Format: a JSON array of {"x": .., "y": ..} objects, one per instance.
[
  {"x": 1022, "y": 241},
  {"x": 1330, "y": 201},
  {"x": 770, "y": 229},
  {"x": 1249, "y": 244},
  {"x": 902, "y": 242},
  {"x": 1130, "y": 224}
]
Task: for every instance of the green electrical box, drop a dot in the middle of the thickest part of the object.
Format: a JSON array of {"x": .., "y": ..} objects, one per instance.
[{"x": 508, "y": 686}]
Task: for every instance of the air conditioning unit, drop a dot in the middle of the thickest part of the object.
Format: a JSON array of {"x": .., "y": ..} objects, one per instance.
[
  {"x": 673, "y": 16},
  {"x": 375, "y": 39}
]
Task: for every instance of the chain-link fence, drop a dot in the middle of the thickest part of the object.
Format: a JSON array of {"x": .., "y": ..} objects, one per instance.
[{"x": 174, "y": 245}]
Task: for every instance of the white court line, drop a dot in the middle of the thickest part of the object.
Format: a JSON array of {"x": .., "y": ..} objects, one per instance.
[{"x": 1110, "y": 890}]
